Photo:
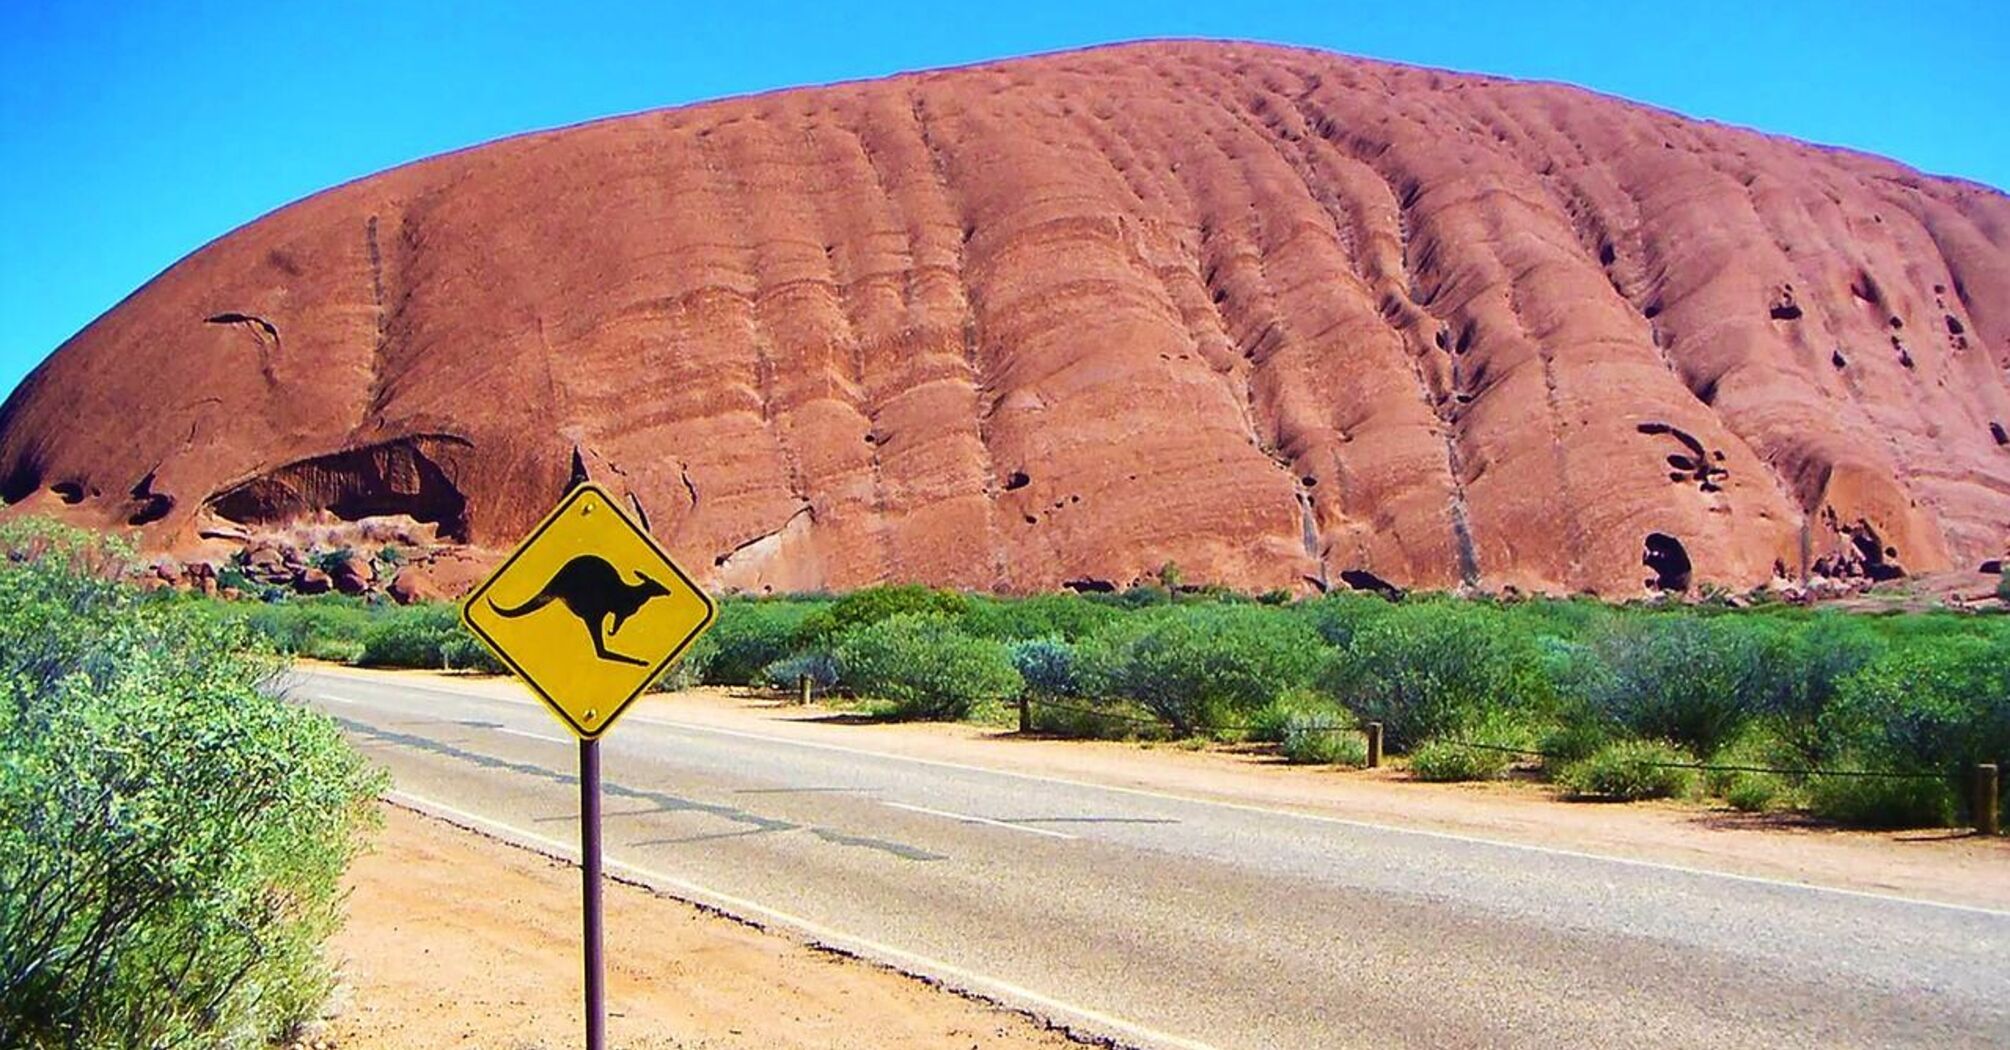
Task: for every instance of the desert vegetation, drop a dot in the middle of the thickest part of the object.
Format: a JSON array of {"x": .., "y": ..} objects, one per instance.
[
  {"x": 1864, "y": 719},
  {"x": 171, "y": 834}
]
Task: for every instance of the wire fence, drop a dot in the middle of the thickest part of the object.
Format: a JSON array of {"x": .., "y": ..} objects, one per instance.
[{"x": 1027, "y": 701}]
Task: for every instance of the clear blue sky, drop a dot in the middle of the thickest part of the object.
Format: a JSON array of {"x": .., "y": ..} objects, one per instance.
[{"x": 130, "y": 134}]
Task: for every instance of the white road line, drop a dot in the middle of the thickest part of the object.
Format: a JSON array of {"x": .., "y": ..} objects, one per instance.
[
  {"x": 533, "y": 736},
  {"x": 1447, "y": 836},
  {"x": 968, "y": 819},
  {"x": 955, "y": 977}
]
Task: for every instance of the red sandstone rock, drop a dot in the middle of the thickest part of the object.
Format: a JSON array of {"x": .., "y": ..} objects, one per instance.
[
  {"x": 1272, "y": 315},
  {"x": 353, "y": 574}
]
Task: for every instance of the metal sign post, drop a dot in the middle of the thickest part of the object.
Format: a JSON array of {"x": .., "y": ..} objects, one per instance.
[
  {"x": 589, "y": 874},
  {"x": 588, "y": 611}
]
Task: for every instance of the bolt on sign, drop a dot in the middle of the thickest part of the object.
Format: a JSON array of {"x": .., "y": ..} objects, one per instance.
[{"x": 588, "y": 611}]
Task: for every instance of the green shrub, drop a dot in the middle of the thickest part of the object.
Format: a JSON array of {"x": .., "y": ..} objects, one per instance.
[
  {"x": 749, "y": 636},
  {"x": 1758, "y": 748},
  {"x": 1753, "y": 792},
  {"x": 1825, "y": 653},
  {"x": 1445, "y": 760},
  {"x": 1082, "y": 719},
  {"x": 1631, "y": 770},
  {"x": 873, "y": 604},
  {"x": 325, "y": 627},
  {"x": 1339, "y": 616},
  {"x": 925, "y": 667},
  {"x": 1934, "y": 706},
  {"x": 1687, "y": 679},
  {"x": 462, "y": 651},
  {"x": 329, "y": 561},
  {"x": 411, "y": 636},
  {"x": 333, "y": 650},
  {"x": 1571, "y": 742},
  {"x": 1424, "y": 669},
  {"x": 1881, "y": 802},
  {"x": 1198, "y": 666},
  {"x": 1047, "y": 665},
  {"x": 820, "y": 665},
  {"x": 1267, "y": 723},
  {"x": 1327, "y": 737},
  {"x": 1068, "y": 617},
  {"x": 172, "y": 837}
]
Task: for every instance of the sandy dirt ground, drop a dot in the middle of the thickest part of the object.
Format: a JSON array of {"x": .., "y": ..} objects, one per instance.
[{"x": 456, "y": 940}]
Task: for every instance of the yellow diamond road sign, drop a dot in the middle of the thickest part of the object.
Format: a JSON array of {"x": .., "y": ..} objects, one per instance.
[{"x": 588, "y": 610}]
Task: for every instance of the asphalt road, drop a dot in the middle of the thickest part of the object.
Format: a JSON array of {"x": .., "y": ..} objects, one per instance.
[{"x": 1178, "y": 922}]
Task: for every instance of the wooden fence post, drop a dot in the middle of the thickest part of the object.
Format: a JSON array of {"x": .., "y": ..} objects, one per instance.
[
  {"x": 1025, "y": 713},
  {"x": 1988, "y": 818},
  {"x": 802, "y": 689},
  {"x": 1374, "y": 731}
]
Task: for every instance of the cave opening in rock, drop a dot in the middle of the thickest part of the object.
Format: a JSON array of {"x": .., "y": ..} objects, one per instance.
[
  {"x": 396, "y": 478},
  {"x": 1669, "y": 560},
  {"x": 21, "y": 480},
  {"x": 1879, "y": 560},
  {"x": 148, "y": 506},
  {"x": 1363, "y": 580}
]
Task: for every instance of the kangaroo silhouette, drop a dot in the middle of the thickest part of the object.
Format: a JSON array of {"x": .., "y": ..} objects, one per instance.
[{"x": 592, "y": 590}]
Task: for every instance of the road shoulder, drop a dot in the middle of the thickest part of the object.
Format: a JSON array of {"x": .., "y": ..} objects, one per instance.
[{"x": 456, "y": 939}]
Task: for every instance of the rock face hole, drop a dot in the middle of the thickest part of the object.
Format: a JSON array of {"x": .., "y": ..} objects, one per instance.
[
  {"x": 1363, "y": 580},
  {"x": 20, "y": 482},
  {"x": 402, "y": 477},
  {"x": 148, "y": 506},
  {"x": 1668, "y": 560},
  {"x": 1016, "y": 480}
]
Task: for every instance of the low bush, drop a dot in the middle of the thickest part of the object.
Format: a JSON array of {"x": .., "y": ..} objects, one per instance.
[
  {"x": 1883, "y": 802},
  {"x": 1046, "y": 665},
  {"x": 863, "y": 608},
  {"x": 1268, "y": 722},
  {"x": 1427, "y": 668},
  {"x": 1753, "y": 792},
  {"x": 172, "y": 836},
  {"x": 1086, "y": 719},
  {"x": 1928, "y": 707},
  {"x": 820, "y": 665},
  {"x": 1750, "y": 788},
  {"x": 1200, "y": 666},
  {"x": 1446, "y": 760},
  {"x": 924, "y": 667},
  {"x": 1327, "y": 737},
  {"x": 462, "y": 651},
  {"x": 321, "y": 628},
  {"x": 1631, "y": 770},
  {"x": 1687, "y": 679},
  {"x": 1068, "y": 617},
  {"x": 749, "y": 636},
  {"x": 1575, "y": 740},
  {"x": 410, "y": 636}
]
